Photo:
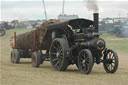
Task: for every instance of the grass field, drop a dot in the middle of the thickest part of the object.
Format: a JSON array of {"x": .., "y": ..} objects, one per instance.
[{"x": 24, "y": 74}]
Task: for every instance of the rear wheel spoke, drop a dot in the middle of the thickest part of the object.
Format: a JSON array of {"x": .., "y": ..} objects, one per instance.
[
  {"x": 57, "y": 63},
  {"x": 55, "y": 48},
  {"x": 53, "y": 53},
  {"x": 58, "y": 45},
  {"x": 55, "y": 59}
]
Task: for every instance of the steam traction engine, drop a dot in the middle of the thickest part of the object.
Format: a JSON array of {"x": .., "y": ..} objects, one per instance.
[{"x": 75, "y": 41}]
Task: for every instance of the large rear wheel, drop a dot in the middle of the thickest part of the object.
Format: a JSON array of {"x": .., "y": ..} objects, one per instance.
[
  {"x": 58, "y": 54},
  {"x": 110, "y": 61},
  {"x": 85, "y": 61}
]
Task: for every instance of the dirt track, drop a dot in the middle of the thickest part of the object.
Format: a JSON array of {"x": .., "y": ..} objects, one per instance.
[{"x": 24, "y": 74}]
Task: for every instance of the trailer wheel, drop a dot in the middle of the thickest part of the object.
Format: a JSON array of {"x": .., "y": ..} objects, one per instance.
[
  {"x": 36, "y": 59},
  {"x": 110, "y": 61},
  {"x": 85, "y": 61},
  {"x": 12, "y": 57},
  {"x": 15, "y": 56},
  {"x": 58, "y": 56}
]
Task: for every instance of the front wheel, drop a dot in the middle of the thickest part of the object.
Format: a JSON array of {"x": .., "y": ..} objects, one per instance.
[
  {"x": 110, "y": 61},
  {"x": 85, "y": 61}
]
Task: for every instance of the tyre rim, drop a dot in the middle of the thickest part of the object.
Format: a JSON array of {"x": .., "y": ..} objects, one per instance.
[
  {"x": 110, "y": 61},
  {"x": 56, "y": 54},
  {"x": 33, "y": 60},
  {"x": 83, "y": 61}
]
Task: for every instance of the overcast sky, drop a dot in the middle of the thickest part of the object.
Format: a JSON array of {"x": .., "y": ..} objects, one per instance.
[{"x": 33, "y": 9}]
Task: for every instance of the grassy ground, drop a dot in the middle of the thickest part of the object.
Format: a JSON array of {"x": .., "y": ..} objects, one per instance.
[
  {"x": 24, "y": 74},
  {"x": 119, "y": 44}
]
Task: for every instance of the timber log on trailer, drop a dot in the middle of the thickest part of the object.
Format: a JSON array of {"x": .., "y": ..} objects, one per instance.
[
  {"x": 74, "y": 41},
  {"x": 33, "y": 39}
]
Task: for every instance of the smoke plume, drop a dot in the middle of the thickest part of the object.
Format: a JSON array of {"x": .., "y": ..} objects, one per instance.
[
  {"x": 92, "y": 5},
  {"x": 124, "y": 29}
]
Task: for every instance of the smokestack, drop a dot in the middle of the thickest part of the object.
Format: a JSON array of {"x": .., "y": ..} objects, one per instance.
[{"x": 96, "y": 21}]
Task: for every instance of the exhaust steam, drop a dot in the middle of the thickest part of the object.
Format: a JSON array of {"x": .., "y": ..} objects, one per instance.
[{"x": 92, "y": 5}]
